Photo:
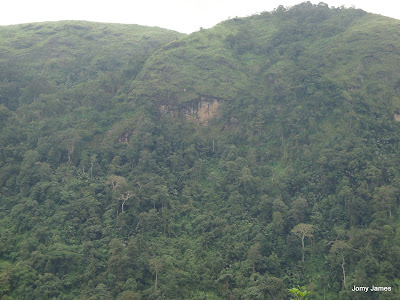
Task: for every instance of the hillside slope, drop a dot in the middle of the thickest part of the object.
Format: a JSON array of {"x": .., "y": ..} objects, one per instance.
[
  {"x": 55, "y": 55},
  {"x": 231, "y": 163},
  {"x": 278, "y": 55}
]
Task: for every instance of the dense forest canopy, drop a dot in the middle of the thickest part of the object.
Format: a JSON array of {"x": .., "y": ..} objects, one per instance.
[{"x": 233, "y": 163}]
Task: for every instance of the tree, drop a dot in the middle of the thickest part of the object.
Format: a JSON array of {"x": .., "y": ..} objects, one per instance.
[
  {"x": 93, "y": 159},
  {"x": 255, "y": 255},
  {"x": 385, "y": 199},
  {"x": 156, "y": 266},
  {"x": 299, "y": 210},
  {"x": 274, "y": 287},
  {"x": 338, "y": 252},
  {"x": 37, "y": 85},
  {"x": 68, "y": 139},
  {"x": 303, "y": 230},
  {"x": 118, "y": 259},
  {"x": 119, "y": 190},
  {"x": 300, "y": 293},
  {"x": 124, "y": 197},
  {"x": 116, "y": 182}
]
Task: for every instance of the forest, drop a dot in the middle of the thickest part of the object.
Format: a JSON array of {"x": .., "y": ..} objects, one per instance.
[{"x": 237, "y": 162}]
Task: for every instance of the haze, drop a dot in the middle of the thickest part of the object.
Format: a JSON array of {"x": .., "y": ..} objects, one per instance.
[{"x": 180, "y": 15}]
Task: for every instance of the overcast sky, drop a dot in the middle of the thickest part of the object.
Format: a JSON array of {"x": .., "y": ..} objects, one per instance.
[{"x": 180, "y": 15}]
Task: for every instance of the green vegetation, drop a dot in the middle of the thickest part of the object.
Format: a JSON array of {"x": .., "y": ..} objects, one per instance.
[
  {"x": 300, "y": 293},
  {"x": 231, "y": 163}
]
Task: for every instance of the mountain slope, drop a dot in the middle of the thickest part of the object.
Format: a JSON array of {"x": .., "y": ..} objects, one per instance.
[
  {"x": 231, "y": 163},
  {"x": 238, "y": 56},
  {"x": 59, "y": 54}
]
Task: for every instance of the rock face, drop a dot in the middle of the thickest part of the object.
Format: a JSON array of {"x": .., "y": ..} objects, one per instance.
[
  {"x": 203, "y": 111},
  {"x": 199, "y": 111}
]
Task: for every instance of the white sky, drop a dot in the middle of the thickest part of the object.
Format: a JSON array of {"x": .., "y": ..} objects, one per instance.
[{"x": 180, "y": 15}]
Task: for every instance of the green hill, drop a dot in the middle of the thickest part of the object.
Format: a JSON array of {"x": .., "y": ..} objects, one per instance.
[
  {"x": 55, "y": 55},
  {"x": 232, "y": 163},
  {"x": 267, "y": 54}
]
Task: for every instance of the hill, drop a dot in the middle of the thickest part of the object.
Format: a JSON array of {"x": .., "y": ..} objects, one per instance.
[
  {"x": 231, "y": 163},
  {"x": 54, "y": 55}
]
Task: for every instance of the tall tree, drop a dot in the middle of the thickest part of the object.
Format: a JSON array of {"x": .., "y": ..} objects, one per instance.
[
  {"x": 338, "y": 252},
  {"x": 303, "y": 230},
  {"x": 156, "y": 266},
  {"x": 68, "y": 139}
]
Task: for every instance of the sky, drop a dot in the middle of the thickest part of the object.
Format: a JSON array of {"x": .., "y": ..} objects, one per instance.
[{"x": 181, "y": 15}]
